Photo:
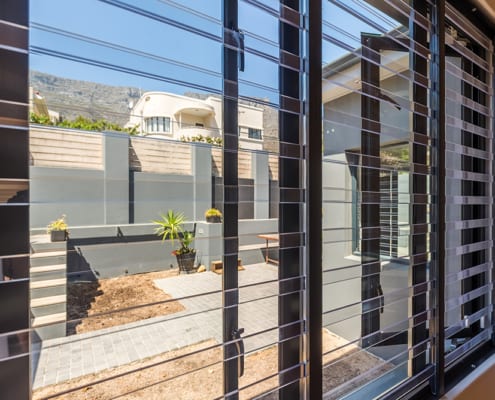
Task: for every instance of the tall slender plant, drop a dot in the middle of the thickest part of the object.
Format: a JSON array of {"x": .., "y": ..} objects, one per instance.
[{"x": 171, "y": 226}]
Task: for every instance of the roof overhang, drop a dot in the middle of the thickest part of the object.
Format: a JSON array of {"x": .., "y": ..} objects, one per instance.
[
  {"x": 487, "y": 8},
  {"x": 197, "y": 109}
]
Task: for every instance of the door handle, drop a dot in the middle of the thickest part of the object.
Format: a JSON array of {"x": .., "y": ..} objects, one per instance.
[
  {"x": 379, "y": 292},
  {"x": 239, "y": 38},
  {"x": 239, "y": 345}
]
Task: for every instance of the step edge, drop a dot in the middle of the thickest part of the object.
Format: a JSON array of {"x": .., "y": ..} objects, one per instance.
[
  {"x": 47, "y": 268},
  {"x": 47, "y": 320},
  {"x": 44, "y": 254},
  {"x": 48, "y": 283},
  {"x": 48, "y": 300}
]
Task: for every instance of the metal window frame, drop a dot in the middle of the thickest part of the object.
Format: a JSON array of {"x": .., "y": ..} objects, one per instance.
[
  {"x": 314, "y": 293},
  {"x": 230, "y": 281},
  {"x": 292, "y": 307},
  {"x": 291, "y": 357},
  {"x": 437, "y": 68},
  {"x": 15, "y": 365}
]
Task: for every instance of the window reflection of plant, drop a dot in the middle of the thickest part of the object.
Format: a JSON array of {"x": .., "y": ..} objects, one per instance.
[
  {"x": 217, "y": 141},
  {"x": 395, "y": 156}
]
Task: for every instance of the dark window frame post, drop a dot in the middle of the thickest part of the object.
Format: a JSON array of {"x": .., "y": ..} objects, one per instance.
[
  {"x": 437, "y": 46},
  {"x": 15, "y": 365},
  {"x": 230, "y": 290},
  {"x": 291, "y": 207},
  {"x": 418, "y": 210},
  {"x": 314, "y": 200},
  {"x": 370, "y": 190}
]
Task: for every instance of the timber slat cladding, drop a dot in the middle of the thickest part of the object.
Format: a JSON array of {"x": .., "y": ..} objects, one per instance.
[
  {"x": 65, "y": 148},
  {"x": 157, "y": 156},
  {"x": 216, "y": 161},
  {"x": 273, "y": 166},
  {"x": 244, "y": 165}
]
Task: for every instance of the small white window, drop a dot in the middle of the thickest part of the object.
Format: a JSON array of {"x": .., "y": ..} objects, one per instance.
[
  {"x": 254, "y": 133},
  {"x": 157, "y": 125}
]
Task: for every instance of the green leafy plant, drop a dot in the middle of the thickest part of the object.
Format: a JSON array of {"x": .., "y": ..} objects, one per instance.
[
  {"x": 82, "y": 123},
  {"x": 40, "y": 119},
  {"x": 59, "y": 224},
  {"x": 216, "y": 141},
  {"x": 171, "y": 226},
  {"x": 187, "y": 239}
]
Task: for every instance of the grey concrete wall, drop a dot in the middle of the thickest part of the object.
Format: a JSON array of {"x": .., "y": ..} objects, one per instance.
[
  {"x": 342, "y": 125},
  {"x": 261, "y": 177},
  {"x": 156, "y": 193},
  {"x": 117, "y": 250},
  {"x": 77, "y": 193},
  {"x": 201, "y": 172},
  {"x": 80, "y": 194},
  {"x": 116, "y": 177},
  {"x": 208, "y": 243},
  {"x": 119, "y": 195},
  {"x": 341, "y": 287}
]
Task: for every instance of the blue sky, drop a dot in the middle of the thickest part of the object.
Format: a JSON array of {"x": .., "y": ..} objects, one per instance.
[
  {"x": 98, "y": 20},
  {"x": 95, "y": 19}
]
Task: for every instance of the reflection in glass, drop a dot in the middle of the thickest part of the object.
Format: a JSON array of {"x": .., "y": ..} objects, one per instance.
[{"x": 373, "y": 170}]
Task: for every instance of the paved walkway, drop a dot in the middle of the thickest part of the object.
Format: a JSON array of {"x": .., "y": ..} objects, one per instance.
[{"x": 73, "y": 356}]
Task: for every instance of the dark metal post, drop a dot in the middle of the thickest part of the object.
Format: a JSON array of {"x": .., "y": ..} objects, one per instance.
[
  {"x": 230, "y": 291},
  {"x": 437, "y": 44},
  {"x": 314, "y": 198},
  {"x": 418, "y": 186},
  {"x": 15, "y": 365},
  {"x": 370, "y": 189},
  {"x": 291, "y": 210}
]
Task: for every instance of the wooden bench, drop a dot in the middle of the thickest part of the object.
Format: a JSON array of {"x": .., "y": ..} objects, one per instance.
[
  {"x": 257, "y": 246},
  {"x": 274, "y": 239}
]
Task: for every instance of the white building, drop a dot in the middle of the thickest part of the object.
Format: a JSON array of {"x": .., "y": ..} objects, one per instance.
[
  {"x": 37, "y": 105},
  {"x": 172, "y": 116}
]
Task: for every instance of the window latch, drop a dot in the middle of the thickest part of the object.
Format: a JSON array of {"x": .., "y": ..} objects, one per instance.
[
  {"x": 239, "y": 39},
  {"x": 239, "y": 345},
  {"x": 379, "y": 292}
]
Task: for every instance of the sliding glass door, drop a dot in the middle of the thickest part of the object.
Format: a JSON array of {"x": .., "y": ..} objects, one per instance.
[{"x": 376, "y": 182}]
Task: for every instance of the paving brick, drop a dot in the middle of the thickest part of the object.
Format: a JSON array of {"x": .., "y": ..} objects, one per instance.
[{"x": 73, "y": 356}]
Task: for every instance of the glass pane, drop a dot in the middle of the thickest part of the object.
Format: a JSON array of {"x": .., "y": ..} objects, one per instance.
[
  {"x": 376, "y": 226},
  {"x": 118, "y": 106},
  {"x": 468, "y": 185},
  {"x": 258, "y": 208}
]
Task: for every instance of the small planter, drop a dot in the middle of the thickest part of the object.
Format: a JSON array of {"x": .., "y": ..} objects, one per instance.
[
  {"x": 186, "y": 262},
  {"x": 214, "y": 219},
  {"x": 58, "y": 236},
  {"x": 213, "y": 215}
]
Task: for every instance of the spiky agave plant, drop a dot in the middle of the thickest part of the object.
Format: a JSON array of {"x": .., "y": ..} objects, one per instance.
[{"x": 170, "y": 226}]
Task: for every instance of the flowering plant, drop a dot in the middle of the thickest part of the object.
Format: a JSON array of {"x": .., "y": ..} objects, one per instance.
[{"x": 59, "y": 224}]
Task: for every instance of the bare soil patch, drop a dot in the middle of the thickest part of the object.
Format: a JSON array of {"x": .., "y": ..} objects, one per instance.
[
  {"x": 119, "y": 300},
  {"x": 347, "y": 367},
  {"x": 197, "y": 375}
]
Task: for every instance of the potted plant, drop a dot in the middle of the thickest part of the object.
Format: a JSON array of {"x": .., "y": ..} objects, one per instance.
[
  {"x": 171, "y": 226},
  {"x": 58, "y": 229},
  {"x": 213, "y": 215}
]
